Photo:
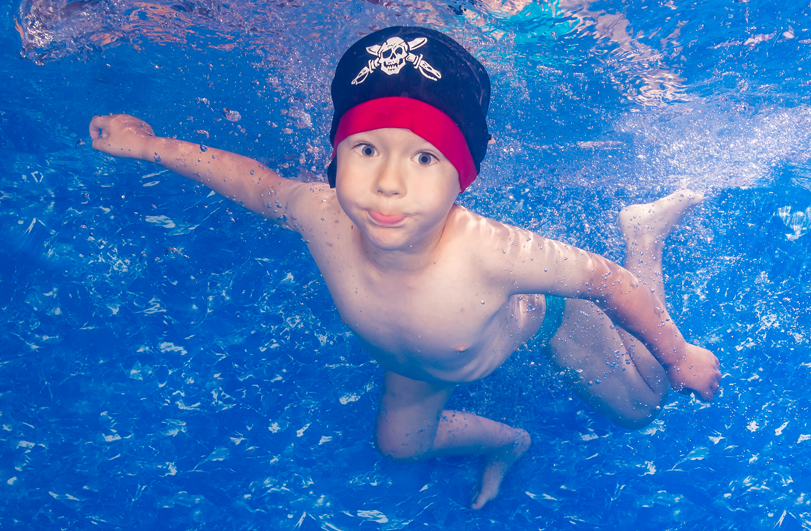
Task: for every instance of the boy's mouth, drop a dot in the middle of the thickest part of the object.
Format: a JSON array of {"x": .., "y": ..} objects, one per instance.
[{"x": 383, "y": 219}]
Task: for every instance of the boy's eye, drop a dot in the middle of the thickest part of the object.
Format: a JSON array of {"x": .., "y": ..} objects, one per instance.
[
  {"x": 366, "y": 150},
  {"x": 425, "y": 159}
]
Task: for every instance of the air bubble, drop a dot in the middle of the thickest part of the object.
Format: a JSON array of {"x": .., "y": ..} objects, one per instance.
[{"x": 231, "y": 116}]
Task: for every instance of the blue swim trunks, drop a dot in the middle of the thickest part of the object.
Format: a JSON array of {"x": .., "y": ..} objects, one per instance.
[{"x": 551, "y": 320}]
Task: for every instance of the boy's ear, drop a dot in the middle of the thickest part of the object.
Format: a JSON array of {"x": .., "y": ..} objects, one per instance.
[{"x": 332, "y": 171}]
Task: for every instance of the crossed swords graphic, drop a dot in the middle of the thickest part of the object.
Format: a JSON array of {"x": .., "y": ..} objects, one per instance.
[{"x": 417, "y": 60}]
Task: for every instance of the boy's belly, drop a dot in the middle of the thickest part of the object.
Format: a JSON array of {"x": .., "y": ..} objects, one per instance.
[{"x": 452, "y": 357}]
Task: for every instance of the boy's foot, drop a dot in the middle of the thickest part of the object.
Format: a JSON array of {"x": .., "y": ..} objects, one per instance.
[
  {"x": 647, "y": 225},
  {"x": 496, "y": 467}
]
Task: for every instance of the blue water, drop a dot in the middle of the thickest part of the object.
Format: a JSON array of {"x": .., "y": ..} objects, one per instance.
[{"x": 170, "y": 361}]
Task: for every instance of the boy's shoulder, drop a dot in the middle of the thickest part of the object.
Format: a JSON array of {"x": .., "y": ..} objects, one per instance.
[
  {"x": 308, "y": 204},
  {"x": 492, "y": 243},
  {"x": 483, "y": 229}
]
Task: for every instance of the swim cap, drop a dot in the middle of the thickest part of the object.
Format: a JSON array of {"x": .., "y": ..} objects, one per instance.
[{"x": 416, "y": 79}]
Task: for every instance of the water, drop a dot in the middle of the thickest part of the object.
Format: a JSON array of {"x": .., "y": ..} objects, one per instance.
[{"x": 170, "y": 361}]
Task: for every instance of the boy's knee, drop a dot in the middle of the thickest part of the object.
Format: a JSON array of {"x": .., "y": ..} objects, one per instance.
[
  {"x": 399, "y": 454},
  {"x": 637, "y": 421},
  {"x": 399, "y": 448},
  {"x": 643, "y": 414}
]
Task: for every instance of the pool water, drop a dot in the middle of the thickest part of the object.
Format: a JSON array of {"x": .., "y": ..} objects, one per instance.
[{"x": 170, "y": 361}]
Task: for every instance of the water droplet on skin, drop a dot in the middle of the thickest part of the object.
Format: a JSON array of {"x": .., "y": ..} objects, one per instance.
[
  {"x": 157, "y": 158},
  {"x": 203, "y": 148},
  {"x": 253, "y": 171},
  {"x": 482, "y": 302}
]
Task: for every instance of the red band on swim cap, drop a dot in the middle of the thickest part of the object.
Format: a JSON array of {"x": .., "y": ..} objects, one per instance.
[{"x": 425, "y": 121}]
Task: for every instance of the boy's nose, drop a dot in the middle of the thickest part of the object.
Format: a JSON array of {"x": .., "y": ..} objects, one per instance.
[{"x": 390, "y": 180}]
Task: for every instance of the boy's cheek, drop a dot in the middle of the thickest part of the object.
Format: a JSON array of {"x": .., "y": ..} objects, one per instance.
[{"x": 346, "y": 196}]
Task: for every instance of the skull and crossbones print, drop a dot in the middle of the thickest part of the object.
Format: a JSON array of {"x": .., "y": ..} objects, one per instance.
[{"x": 392, "y": 56}]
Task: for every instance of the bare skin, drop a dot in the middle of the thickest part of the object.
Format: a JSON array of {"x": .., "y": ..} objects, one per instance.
[
  {"x": 604, "y": 365},
  {"x": 436, "y": 293}
]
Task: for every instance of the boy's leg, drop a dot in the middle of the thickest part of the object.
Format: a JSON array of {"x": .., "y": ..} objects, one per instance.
[
  {"x": 604, "y": 365},
  {"x": 412, "y": 425}
]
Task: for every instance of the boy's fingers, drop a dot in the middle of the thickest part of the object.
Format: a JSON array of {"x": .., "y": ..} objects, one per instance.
[
  {"x": 96, "y": 126},
  {"x": 99, "y": 144},
  {"x": 713, "y": 390},
  {"x": 706, "y": 395}
]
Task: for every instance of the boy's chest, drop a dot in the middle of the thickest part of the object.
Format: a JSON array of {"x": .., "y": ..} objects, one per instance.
[
  {"x": 453, "y": 330},
  {"x": 448, "y": 320},
  {"x": 435, "y": 316},
  {"x": 455, "y": 319},
  {"x": 440, "y": 312}
]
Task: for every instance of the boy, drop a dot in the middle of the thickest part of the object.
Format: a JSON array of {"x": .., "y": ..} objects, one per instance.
[{"x": 438, "y": 295}]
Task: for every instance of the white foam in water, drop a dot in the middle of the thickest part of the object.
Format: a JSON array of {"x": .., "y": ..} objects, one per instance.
[
  {"x": 161, "y": 220},
  {"x": 797, "y": 222},
  {"x": 704, "y": 146}
]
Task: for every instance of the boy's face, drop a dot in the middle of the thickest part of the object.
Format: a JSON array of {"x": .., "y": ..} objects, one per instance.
[{"x": 396, "y": 187}]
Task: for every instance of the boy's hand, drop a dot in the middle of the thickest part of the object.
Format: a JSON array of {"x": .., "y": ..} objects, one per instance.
[
  {"x": 121, "y": 135},
  {"x": 697, "y": 371}
]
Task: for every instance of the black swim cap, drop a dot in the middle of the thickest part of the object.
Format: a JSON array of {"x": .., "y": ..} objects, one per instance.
[{"x": 420, "y": 64}]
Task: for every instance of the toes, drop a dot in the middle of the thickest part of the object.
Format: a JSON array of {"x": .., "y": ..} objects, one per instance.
[{"x": 478, "y": 501}]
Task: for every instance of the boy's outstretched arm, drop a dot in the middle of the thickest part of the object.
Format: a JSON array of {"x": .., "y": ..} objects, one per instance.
[
  {"x": 241, "y": 179},
  {"x": 538, "y": 265}
]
